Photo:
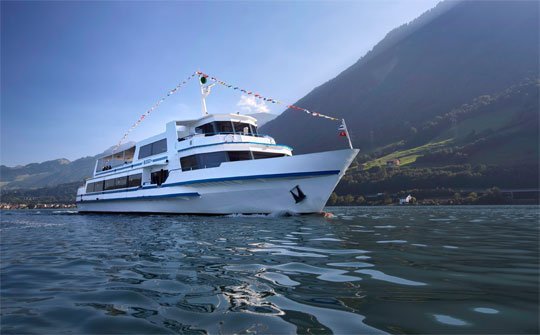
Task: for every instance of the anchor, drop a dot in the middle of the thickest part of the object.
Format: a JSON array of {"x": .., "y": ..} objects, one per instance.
[{"x": 299, "y": 196}]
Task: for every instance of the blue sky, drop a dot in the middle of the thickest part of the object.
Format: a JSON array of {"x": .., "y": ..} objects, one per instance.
[{"x": 76, "y": 75}]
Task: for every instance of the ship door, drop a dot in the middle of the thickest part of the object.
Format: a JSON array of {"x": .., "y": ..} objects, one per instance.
[{"x": 159, "y": 177}]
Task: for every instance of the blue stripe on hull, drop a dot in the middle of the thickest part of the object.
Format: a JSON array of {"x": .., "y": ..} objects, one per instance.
[{"x": 147, "y": 197}]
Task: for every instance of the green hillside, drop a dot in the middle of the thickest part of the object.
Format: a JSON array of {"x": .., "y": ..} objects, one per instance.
[{"x": 501, "y": 129}]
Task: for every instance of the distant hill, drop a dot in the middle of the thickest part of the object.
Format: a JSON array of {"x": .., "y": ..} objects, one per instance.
[
  {"x": 455, "y": 54},
  {"x": 50, "y": 173},
  {"x": 62, "y": 193}
]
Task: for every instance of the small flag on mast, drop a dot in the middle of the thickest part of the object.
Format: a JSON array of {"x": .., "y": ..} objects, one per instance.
[{"x": 342, "y": 130}]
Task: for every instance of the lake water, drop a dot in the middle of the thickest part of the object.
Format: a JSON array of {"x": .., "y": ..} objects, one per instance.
[{"x": 367, "y": 270}]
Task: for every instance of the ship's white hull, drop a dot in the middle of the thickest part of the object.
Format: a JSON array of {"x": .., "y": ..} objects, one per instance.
[{"x": 257, "y": 186}]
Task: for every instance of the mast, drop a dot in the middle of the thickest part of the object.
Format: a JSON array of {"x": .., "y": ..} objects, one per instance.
[{"x": 205, "y": 91}]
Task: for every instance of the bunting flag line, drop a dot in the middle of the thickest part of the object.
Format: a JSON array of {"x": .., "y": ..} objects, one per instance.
[
  {"x": 151, "y": 109},
  {"x": 216, "y": 80},
  {"x": 258, "y": 96}
]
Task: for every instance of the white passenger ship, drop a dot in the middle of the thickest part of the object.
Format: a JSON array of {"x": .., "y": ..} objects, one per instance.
[{"x": 218, "y": 164}]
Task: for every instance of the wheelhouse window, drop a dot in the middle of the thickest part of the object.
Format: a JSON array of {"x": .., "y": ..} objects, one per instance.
[
  {"x": 241, "y": 128},
  {"x": 226, "y": 127},
  {"x": 206, "y": 129},
  {"x": 153, "y": 148},
  {"x": 223, "y": 126}
]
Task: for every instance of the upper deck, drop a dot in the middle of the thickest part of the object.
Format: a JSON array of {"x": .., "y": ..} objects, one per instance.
[{"x": 230, "y": 132}]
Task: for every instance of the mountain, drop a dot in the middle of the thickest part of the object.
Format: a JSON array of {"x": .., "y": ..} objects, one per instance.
[
  {"x": 448, "y": 57},
  {"x": 263, "y": 118},
  {"x": 490, "y": 141}
]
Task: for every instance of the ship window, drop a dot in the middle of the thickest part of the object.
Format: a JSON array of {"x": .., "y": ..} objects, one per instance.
[
  {"x": 135, "y": 180},
  {"x": 98, "y": 186},
  {"x": 189, "y": 163},
  {"x": 212, "y": 159},
  {"x": 117, "y": 159},
  {"x": 159, "y": 177},
  {"x": 153, "y": 148},
  {"x": 203, "y": 161},
  {"x": 159, "y": 146},
  {"x": 223, "y": 126},
  {"x": 90, "y": 187},
  {"x": 100, "y": 164},
  {"x": 240, "y": 127},
  {"x": 145, "y": 151},
  {"x": 239, "y": 155},
  {"x": 206, "y": 129},
  {"x": 109, "y": 184},
  {"x": 253, "y": 129},
  {"x": 260, "y": 155},
  {"x": 128, "y": 155},
  {"x": 120, "y": 182},
  {"x": 104, "y": 163}
]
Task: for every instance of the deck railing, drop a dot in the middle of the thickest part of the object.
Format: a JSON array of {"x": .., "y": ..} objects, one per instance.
[{"x": 223, "y": 133}]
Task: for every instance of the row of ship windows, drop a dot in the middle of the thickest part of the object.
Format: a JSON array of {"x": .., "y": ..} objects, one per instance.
[
  {"x": 115, "y": 183},
  {"x": 192, "y": 162},
  {"x": 214, "y": 159},
  {"x": 226, "y": 127},
  {"x": 134, "y": 180}
]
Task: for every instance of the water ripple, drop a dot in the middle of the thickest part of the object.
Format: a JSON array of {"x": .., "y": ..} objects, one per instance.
[{"x": 433, "y": 269}]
